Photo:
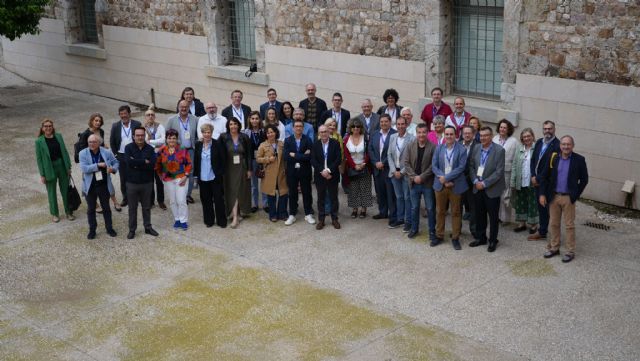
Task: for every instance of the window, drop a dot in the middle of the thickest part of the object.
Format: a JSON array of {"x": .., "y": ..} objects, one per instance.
[
  {"x": 88, "y": 21},
  {"x": 477, "y": 47},
  {"x": 243, "y": 40}
]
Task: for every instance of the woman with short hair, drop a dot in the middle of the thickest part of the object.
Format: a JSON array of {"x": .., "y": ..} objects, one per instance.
[
  {"x": 525, "y": 201},
  {"x": 237, "y": 188},
  {"x": 54, "y": 167},
  {"x": 174, "y": 167},
  {"x": 357, "y": 170},
  {"x": 208, "y": 169},
  {"x": 436, "y": 136}
]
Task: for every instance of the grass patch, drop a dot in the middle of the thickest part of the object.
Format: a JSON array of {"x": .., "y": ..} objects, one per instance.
[{"x": 531, "y": 268}]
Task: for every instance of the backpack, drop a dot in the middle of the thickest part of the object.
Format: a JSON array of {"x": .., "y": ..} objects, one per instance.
[{"x": 77, "y": 147}]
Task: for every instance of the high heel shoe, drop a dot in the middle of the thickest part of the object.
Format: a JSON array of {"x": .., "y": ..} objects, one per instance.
[{"x": 234, "y": 224}]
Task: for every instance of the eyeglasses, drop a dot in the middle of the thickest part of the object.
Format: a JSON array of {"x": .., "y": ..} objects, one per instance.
[{"x": 150, "y": 115}]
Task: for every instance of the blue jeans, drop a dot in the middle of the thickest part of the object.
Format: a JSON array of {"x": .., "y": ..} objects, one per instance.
[
  {"x": 418, "y": 191},
  {"x": 403, "y": 199},
  {"x": 255, "y": 189},
  {"x": 279, "y": 211}
]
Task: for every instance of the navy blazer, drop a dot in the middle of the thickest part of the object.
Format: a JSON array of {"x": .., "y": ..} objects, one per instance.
[
  {"x": 115, "y": 137},
  {"x": 300, "y": 157},
  {"x": 218, "y": 158},
  {"x": 199, "y": 108},
  {"x": 334, "y": 158},
  {"x": 459, "y": 162},
  {"x": 536, "y": 160},
  {"x": 577, "y": 179},
  {"x": 265, "y": 106},
  {"x": 374, "y": 151},
  {"x": 345, "y": 115},
  {"x": 246, "y": 111}
]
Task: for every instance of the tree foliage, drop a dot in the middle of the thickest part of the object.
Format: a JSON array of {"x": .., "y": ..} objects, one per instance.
[{"x": 19, "y": 17}]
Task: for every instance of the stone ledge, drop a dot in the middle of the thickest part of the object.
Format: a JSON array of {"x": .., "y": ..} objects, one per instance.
[
  {"x": 236, "y": 73},
  {"x": 86, "y": 50},
  {"x": 487, "y": 110}
]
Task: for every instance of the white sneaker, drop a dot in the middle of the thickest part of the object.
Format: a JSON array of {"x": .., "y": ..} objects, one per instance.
[
  {"x": 309, "y": 218},
  {"x": 291, "y": 220}
]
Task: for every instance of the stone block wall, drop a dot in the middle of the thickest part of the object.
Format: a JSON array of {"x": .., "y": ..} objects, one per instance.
[
  {"x": 384, "y": 28},
  {"x": 582, "y": 39}
]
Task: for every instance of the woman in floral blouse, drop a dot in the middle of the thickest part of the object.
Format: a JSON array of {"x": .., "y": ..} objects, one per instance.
[{"x": 174, "y": 167}]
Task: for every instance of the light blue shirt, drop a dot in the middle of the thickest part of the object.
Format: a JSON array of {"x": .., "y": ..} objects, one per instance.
[
  {"x": 206, "y": 172},
  {"x": 308, "y": 130}
]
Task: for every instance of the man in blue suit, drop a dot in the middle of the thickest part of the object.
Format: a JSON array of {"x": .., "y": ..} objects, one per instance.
[
  {"x": 448, "y": 165},
  {"x": 97, "y": 163},
  {"x": 297, "y": 155},
  {"x": 271, "y": 103},
  {"x": 378, "y": 148}
]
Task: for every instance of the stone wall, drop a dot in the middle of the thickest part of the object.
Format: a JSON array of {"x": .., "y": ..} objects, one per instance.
[
  {"x": 582, "y": 39},
  {"x": 384, "y": 28}
]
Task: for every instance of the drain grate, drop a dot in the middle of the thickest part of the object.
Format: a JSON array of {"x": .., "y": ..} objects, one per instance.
[{"x": 601, "y": 226}]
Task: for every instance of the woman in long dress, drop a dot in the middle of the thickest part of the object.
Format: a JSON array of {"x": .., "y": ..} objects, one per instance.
[
  {"x": 510, "y": 144},
  {"x": 237, "y": 180}
]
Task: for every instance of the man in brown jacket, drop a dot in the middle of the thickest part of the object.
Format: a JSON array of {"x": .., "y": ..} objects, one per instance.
[{"x": 417, "y": 167}]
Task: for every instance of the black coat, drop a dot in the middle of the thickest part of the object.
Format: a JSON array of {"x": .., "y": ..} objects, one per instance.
[
  {"x": 246, "y": 111},
  {"x": 200, "y": 111},
  {"x": 536, "y": 162},
  {"x": 577, "y": 179},
  {"x": 334, "y": 159},
  {"x": 345, "y": 115},
  {"x": 115, "y": 138},
  {"x": 218, "y": 158},
  {"x": 300, "y": 157}
]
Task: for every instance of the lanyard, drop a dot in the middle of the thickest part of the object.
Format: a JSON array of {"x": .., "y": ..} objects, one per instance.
[
  {"x": 398, "y": 145},
  {"x": 484, "y": 155},
  {"x": 298, "y": 145},
  {"x": 239, "y": 114},
  {"x": 325, "y": 150},
  {"x": 337, "y": 116},
  {"x": 460, "y": 123},
  {"x": 392, "y": 115},
  {"x": 449, "y": 157},
  {"x": 126, "y": 134},
  {"x": 235, "y": 146},
  {"x": 544, "y": 149},
  {"x": 367, "y": 121},
  {"x": 434, "y": 111},
  {"x": 255, "y": 137},
  {"x": 185, "y": 125},
  {"x": 153, "y": 134}
]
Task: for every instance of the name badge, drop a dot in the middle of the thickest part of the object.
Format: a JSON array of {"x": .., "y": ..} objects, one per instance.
[
  {"x": 447, "y": 169},
  {"x": 297, "y": 166},
  {"x": 236, "y": 159},
  {"x": 187, "y": 136},
  {"x": 98, "y": 175},
  {"x": 480, "y": 171}
]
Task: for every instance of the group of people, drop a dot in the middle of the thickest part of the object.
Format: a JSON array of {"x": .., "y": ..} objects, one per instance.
[{"x": 447, "y": 158}]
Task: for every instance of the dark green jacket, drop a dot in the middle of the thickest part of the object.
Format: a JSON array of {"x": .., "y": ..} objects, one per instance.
[{"x": 45, "y": 167}]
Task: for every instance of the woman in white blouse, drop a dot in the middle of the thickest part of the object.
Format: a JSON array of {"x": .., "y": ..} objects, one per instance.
[
  {"x": 524, "y": 201},
  {"x": 357, "y": 172},
  {"x": 509, "y": 143},
  {"x": 154, "y": 135}
]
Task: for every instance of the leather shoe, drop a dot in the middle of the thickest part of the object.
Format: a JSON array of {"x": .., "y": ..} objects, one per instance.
[
  {"x": 477, "y": 243},
  {"x": 567, "y": 258},
  {"x": 162, "y": 206},
  {"x": 412, "y": 234},
  {"x": 379, "y": 216},
  {"x": 536, "y": 236},
  {"x": 124, "y": 203},
  {"x": 151, "y": 231},
  {"x": 131, "y": 235},
  {"x": 456, "y": 244},
  {"x": 549, "y": 254},
  {"x": 492, "y": 246},
  {"x": 190, "y": 199},
  {"x": 320, "y": 225},
  {"x": 91, "y": 235},
  {"x": 111, "y": 232},
  {"x": 336, "y": 224},
  {"x": 435, "y": 241}
]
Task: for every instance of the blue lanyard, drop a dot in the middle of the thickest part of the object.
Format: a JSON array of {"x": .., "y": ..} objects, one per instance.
[
  {"x": 126, "y": 134},
  {"x": 449, "y": 158},
  {"x": 255, "y": 137},
  {"x": 186, "y": 126},
  {"x": 297, "y": 145},
  {"x": 154, "y": 132},
  {"x": 325, "y": 150},
  {"x": 544, "y": 149},
  {"x": 95, "y": 158},
  {"x": 235, "y": 146},
  {"x": 434, "y": 111},
  {"x": 484, "y": 155},
  {"x": 240, "y": 115}
]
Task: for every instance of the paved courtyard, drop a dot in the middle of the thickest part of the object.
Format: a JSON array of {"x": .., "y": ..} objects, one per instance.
[{"x": 269, "y": 292}]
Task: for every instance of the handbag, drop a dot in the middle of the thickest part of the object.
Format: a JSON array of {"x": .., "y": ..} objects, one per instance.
[
  {"x": 353, "y": 173},
  {"x": 260, "y": 171},
  {"x": 73, "y": 197}
]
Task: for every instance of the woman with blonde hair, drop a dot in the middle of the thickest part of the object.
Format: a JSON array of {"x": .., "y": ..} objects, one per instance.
[
  {"x": 54, "y": 167},
  {"x": 525, "y": 201}
]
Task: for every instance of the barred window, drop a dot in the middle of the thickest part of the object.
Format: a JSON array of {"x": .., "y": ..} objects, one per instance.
[
  {"x": 243, "y": 41},
  {"x": 477, "y": 47},
  {"x": 88, "y": 21}
]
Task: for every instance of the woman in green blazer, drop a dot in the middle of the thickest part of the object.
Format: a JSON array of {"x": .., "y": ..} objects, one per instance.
[{"x": 54, "y": 166}]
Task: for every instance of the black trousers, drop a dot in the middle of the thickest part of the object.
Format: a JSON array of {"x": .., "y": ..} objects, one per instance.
[
  {"x": 322, "y": 186},
  {"x": 98, "y": 191},
  {"x": 139, "y": 193},
  {"x": 212, "y": 199},
  {"x": 543, "y": 215},
  {"x": 305, "y": 187},
  {"x": 470, "y": 206},
  {"x": 487, "y": 206},
  {"x": 122, "y": 171},
  {"x": 159, "y": 189}
]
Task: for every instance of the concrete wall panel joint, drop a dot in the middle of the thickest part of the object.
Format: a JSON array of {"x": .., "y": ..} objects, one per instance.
[
  {"x": 237, "y": 73},
  {"x": 86, "y": 50}
]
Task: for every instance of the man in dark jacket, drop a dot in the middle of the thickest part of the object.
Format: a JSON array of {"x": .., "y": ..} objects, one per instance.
[
  {"x": 325, "y": 159},
  {"x": 313, "y": 107},
  {"x": 121, "y": 134},
  {"x": 562, "y": 181},
  {"x": 297, "y": 155}
]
